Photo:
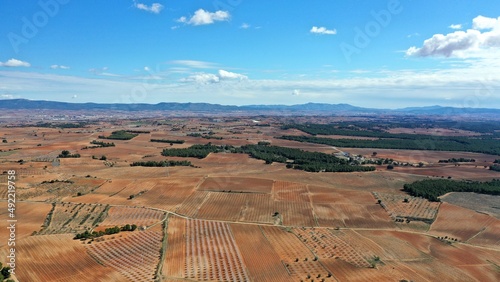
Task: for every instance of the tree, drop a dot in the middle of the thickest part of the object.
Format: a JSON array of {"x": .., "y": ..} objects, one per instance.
[
  {"x": 374, "y": 154},
  {"x": 390, "y": 166},
  {"x": 65, "y": 153},
  {"x": 5, "y": 272}
]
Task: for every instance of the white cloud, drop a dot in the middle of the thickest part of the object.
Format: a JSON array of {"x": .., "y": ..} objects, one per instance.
[
  {"x": 455, "y": 26},
  {"x": 231, "y": 75},
  {"x": 194, "y": 64},
  {"x": 202, "y": 17},
  {"x": 296, "y": 92},
  {"x": 203, "y": 78},
  {"x": 323, "y": 30},
  {"x": 155, "y": 8},
  {"x": 222, "y": 75},
  {"x": 147, "y": 69},
  {"x": 484, "y": 34},
  {"x": 103, "y": 72},
  {"x": 54, "y": 67},
  {"x": 6, "y": 96},
  {"x": 244, "y": 26},
  {"x": 481, "y": 22},
  {"x": 15, "y": 63}
]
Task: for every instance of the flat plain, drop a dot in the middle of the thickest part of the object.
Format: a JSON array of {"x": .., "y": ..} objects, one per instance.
[{"x": 231, "y": 216}]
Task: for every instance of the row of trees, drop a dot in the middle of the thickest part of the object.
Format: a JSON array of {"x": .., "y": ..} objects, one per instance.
[
  {"x": 99, "y": 144},
  {"x": 162, "y": 163},
  {"x": 168, "y": 141},
  {"x": 458, "y": 160},
  {"x": 432, "y": 189},
  {"x": 108, "y": 231},
  {"x": 486, "y": 146}
]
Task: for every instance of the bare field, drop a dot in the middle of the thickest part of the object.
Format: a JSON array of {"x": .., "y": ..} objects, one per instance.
[
  {"x": 58, "y": 258},
  {"x": 237, "y": 184},
  {"x": 31, "y": 214},
  {"x": 489, "y": 204},
  {"x": 231, "y": 217},
  {"x": 462, "y": 224}
]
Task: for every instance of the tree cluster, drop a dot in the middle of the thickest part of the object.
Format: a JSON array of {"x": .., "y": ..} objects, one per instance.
[
  {"x": 168, "y": 141},
  {"x": 495, "y": 167},
  {"x": 120, "y": 135},
  {"x": 294, "y": 158},
  {"x": 66, "y": 154},
  {"x": 4, "y": 273},
  {"x": 486, "y": 146},
  {"x": 108, "y": 231},
  {"x": 432, "y": 189},
  {"x": 195, "y": 151},
  {"x": 162, "y": 163},
  {"x": 458, "y": 160}
]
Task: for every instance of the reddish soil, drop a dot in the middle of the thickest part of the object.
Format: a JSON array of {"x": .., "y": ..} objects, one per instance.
[
  {"x": 237, "y": 184},
  {"x": 462, "y": 224},
  {"x": 134, "y": 255},
  {"x": 211, "y": 252},
  {"x": 175, "y": 256},
  {"x": 261, "y": 260},
  {"x": 58, "y": 258}
]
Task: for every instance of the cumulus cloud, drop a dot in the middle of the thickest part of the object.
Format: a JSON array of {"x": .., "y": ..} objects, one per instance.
[
  {"x": 209, "y": 78},
  {"x": 323, "y": 30},
  {"x": 54, "y": 67},
  {"x": 202, "y": 17},
  {"x": 231, "y": 75},
  {"x": 455, "y": 26},
  {"x": 245, "y": 26},
  {"x": 154, "y": 8},
  {"x": 296, "y": 92},
  {"x": 484, "y": 34},
  {"x": 203, "y": 78},
  {"x": 481, "y": 22},
  {"x": 15, "y": 63}
]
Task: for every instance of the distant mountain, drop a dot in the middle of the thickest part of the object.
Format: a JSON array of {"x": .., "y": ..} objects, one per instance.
[{"x": 309, "y": 108}]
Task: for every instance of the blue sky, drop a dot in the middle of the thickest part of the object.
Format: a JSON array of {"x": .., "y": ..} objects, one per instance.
[{"x": 371, "y": 53}]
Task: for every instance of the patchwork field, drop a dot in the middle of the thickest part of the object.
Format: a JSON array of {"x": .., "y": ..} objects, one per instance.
[{"x": 233, "y": 216}]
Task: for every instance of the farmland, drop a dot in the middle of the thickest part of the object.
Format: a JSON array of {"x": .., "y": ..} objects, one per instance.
[{"x": 243, "y": 210}]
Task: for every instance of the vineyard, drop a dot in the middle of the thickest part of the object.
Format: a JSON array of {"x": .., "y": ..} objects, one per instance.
[
  {"x": 168, "y": 194},
  {"x": 120, "y": 216},
  {"x": 406, "y": 207},
  {"x": 135, "y": 256},
  {"x": 175, "y": 257},
  {"x": 300, "y": 262},
  {"x": 58, "y": 258},
  {"x": 327, "y": 245},
  {"x": 237, "y": 184},
  {"x": 211, "y": 252},
  {"x": 222, "y": 206},
  {"x": 192, "y": 204},
  {"x": 73, "y": 218},
  {"x": 259, "y": 208},
  {"x": 262, "y": 262}
]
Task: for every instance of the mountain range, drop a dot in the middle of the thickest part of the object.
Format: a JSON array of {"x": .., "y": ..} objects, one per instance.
[{"x": 309, "y": 108}]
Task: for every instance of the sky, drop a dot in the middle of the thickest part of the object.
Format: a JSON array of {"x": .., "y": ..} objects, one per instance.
[{"x": 369, "y": 53}]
